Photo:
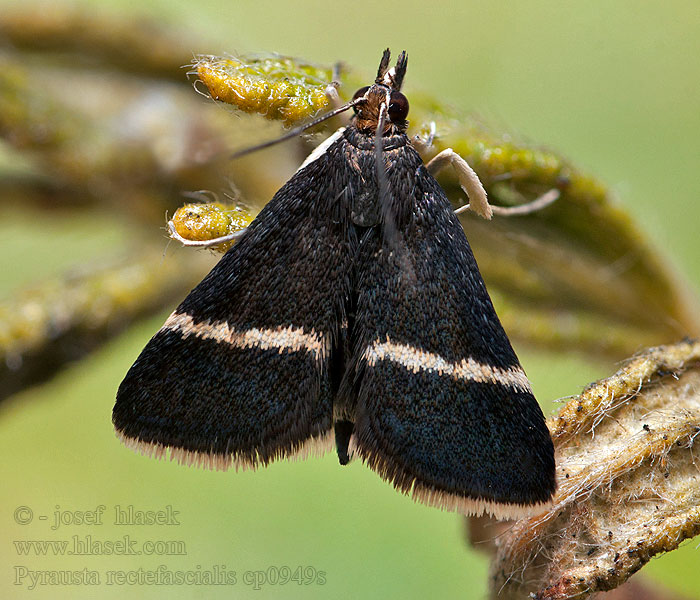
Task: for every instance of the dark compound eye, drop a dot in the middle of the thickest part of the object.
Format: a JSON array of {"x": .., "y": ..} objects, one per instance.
[
  {"x": 358, "y": 94},
  {"x": 361, "y": 92},
  {"x": 398, "y": 107}
]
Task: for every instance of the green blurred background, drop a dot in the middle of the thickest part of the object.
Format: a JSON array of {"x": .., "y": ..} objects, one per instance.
[{"x": 615, "y": 86}]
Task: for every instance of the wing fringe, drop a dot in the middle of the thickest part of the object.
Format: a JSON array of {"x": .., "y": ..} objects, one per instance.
[
  {"x": 314, "y": 446},
  {"x": 432, "y": 496}
]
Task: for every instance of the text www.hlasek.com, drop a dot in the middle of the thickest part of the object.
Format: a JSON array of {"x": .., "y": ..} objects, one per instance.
[
  {"x": 86, "y": 545},
  {"x": 162, "y": 575}
]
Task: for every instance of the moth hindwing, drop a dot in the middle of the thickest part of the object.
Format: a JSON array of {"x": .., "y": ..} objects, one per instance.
[{"x": 351, "y": 308}]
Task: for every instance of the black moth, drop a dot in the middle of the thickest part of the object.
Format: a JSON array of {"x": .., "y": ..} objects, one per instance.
[{"x": 351, "y": 309}]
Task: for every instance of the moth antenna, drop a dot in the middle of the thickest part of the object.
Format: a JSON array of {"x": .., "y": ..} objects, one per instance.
[
  {"x": 298, "y": 130},
  {"x": 383, "y": 66}
]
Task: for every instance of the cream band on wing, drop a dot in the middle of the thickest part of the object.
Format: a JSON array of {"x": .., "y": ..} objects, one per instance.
[
  {"x": 292, "y": 339},
  {"x": 468, "y": 369}
]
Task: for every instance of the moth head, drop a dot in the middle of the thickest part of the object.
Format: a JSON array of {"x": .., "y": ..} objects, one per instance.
[
  {"x": 384, "y": 95},
  {"x": 379, "y": 108}
]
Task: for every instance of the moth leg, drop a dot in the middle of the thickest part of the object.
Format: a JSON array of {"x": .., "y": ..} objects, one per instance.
[
  {"x": 468, "y": 180},
  {"x": 423, "y": 143},
  {"x": 535, "y": 205},
  {"x": 332, "y": 88},
  {"x": 472, "y": 186}
]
